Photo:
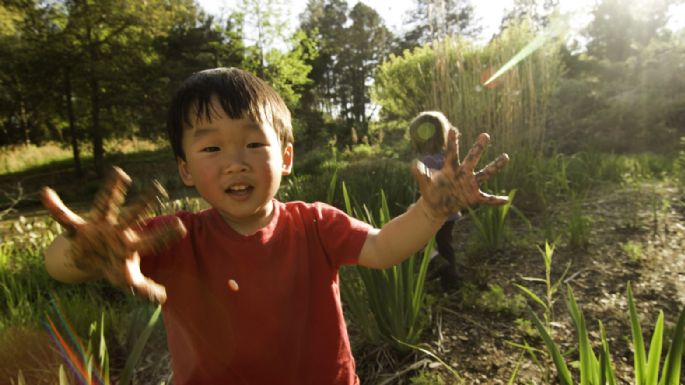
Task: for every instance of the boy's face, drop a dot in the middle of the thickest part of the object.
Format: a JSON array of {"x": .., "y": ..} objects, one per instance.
[{"x": 236, "y": 165}]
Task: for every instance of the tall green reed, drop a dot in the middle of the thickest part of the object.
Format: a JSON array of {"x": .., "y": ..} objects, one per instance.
[
  {"x": 599, "y": 370},
  {"x": 388, "y": 305},
  {"x": 90, "y": 363},
  {"x": 579, "y": 225},
  {"x": 491, "y": 224}
]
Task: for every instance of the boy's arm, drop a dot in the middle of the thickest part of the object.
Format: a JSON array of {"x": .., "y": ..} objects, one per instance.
[
  {"x": 455, "y": 187},
  {"x": 106, "y": 246},
  {"x": 60, "y": 266}
]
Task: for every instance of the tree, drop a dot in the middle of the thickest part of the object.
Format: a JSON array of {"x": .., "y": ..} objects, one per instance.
[
  {"x": 367, "y": 44},
  {"x": 537, "y": 13},
  {"x": 280, "y": 60},
  {"x": 435, "y": 19},
  {"x": 324, "y": 21},
  {"x": 625, "y": 93}
]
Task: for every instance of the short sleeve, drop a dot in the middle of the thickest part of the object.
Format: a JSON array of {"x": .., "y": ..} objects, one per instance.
[{"x": 341, "y": 235}]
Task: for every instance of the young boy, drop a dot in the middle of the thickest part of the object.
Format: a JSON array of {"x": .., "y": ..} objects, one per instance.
[{"x": 249, "y": 286}]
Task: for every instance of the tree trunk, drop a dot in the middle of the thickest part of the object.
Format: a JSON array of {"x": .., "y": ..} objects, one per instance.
[
  {"x": 24, "y": 123},
  {"x": 95, "y": 129},
  {"x": 78, "y": 170}
]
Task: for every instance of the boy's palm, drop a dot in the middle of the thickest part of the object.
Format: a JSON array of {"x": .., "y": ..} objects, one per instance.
[
  {"x": 106, "y": 245},
  {"x": 456, "y": 186}
]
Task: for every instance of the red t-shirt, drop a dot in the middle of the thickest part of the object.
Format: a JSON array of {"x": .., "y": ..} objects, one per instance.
[{"x": 285, "y": 323}]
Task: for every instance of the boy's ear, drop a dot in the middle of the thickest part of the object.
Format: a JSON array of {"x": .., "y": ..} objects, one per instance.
[
  {"x": 287, "y": 159},
  {"x": 184, "y": 173}
]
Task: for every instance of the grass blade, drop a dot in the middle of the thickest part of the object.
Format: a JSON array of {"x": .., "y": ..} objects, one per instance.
[
  {"x": 675, "y": 354},
  {"x": 562, "y": 370},
  {"x": 638, "y": 341},
  {"x": 655, "y": 347},
  {"x": 132, "y": 360}
]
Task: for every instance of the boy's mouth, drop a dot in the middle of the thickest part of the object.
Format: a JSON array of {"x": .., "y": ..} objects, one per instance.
[{"x": 239, "y": 190}]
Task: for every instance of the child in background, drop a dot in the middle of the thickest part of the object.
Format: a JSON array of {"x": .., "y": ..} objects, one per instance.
[
  {"x": 428, "y": 133},
  {"x": 249, "y": 286}
]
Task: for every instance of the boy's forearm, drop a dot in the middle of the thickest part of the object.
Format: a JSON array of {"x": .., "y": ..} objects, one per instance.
[
  {"x": 400, "y": 238},
  {"x": 59, "y": 264}
]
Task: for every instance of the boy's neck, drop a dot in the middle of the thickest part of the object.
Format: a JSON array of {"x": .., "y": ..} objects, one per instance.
[{"x": 251, "y": 226}]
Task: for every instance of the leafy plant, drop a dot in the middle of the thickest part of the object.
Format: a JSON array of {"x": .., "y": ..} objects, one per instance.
[
  {"x": 579, "y": 225},
  {"x": 90, "y": 363},
  {"x": 491, "y": 223},
  {"x": 598, "y": 369},
  {"x": 394, "y": 297},
  {"x": 551, "y": 287},
  {"x": 633, "y": 250}
]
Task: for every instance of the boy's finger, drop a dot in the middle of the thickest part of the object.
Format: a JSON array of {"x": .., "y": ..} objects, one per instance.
[
  {"x": 492, "y": 200},
  {"x": 475, "y": 152},
  {"x": 131, "y": 214},
  {"x": 452, "y": 152},
  {"x": 62, "y": 214},
  {"x": 491, "y": 169},
  {"x": 142, "y": 284},
  {"x": 111, "y": 196},
  {"x": 161, "y": 237},
  {"x": 422, "y": 174}
]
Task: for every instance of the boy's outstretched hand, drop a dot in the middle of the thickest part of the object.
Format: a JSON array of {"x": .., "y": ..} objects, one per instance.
[
  {"x": 106, "y": 245},
  {"x": 456, "y": 186}
]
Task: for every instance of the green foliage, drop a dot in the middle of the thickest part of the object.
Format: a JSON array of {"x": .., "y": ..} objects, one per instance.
[
  {"x": 388, "y": 305},
  {"x": 579, "y": 225},
  {"x": 625, "y": 92},
  {"x": 492, "y": 300},
  {"x": 633, "y": 250},
  {"x": 94, "y": 359},
  {"x": 427, "y": 378},
  {"x": 448, "y": 76},
  {"x": 680, "y": 164},
  {"x": 496, "y": 301},
  {"x": 551, "y": 287},
  {"x": 598, "y": 369},
  {"x": 491, "y": 223}
]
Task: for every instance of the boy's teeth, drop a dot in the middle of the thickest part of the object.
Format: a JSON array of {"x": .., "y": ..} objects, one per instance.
[{"x": 238, "y": 188}]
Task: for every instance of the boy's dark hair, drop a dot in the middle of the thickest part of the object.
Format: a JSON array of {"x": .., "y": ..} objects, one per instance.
[
  {"x": 240, "y": 94},
  {"x": 428, "y": 132}
]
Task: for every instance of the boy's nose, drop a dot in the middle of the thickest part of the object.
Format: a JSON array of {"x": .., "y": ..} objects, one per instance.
[{"x": 234, "y": 165}]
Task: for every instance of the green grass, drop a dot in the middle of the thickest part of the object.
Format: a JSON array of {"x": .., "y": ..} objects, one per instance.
[
  {"x": 652, "y": 368},
  {"x": 20, "y": 158}
]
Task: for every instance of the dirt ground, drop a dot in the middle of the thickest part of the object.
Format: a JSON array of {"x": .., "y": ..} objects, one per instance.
[{"x": 477, "y": 342}]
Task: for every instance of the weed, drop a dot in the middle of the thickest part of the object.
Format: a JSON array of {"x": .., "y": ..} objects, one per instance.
[
  {"x": 633, "y": 250},
  {"x": 551, "y": 287},
  {"x": 427, "y": 378},
  {"x": 579, "y": 225},
  {"x": 491, "y": 223}
]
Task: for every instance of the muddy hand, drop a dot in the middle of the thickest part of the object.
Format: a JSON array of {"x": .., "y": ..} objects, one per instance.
[
  {"x": 106, "y": 245},
  {"x": 456, "y": 186}
]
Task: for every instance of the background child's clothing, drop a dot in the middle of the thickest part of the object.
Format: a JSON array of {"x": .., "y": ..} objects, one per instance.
[
  {"x": 443, "y": 238},
  {"x": 285, "y": 324}
]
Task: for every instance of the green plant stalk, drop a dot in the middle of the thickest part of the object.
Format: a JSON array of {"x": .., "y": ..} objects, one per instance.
[
  {"x": 601, "y": 372},
  {"x": 134, "y": 357},
  {"x": 395, "y": 295}
]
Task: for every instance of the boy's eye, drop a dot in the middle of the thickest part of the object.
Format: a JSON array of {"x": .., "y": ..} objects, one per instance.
[
  {"x": 210, "y": 149},
  {"x": 255, "y": 145}
]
